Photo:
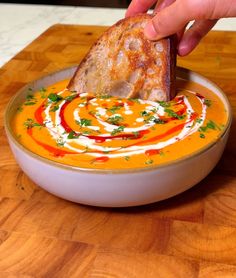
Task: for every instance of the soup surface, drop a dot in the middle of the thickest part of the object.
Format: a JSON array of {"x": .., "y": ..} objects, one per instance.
[{"x": 113, "y": 133}]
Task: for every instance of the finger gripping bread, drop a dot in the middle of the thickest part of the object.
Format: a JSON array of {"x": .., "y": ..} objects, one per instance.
[{"x": 124, "y": 63}]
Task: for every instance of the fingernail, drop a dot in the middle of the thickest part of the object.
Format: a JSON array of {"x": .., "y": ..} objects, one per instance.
[
  {"x": 183, "y": 48},
  {"x": 150, "y": 31}
]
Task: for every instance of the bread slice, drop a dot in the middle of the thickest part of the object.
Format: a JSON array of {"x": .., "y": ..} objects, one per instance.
[{"x": 124, "y": 63}]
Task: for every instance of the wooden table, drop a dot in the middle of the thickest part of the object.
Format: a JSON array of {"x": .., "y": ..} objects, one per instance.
[{"x": 190, "y": 235}]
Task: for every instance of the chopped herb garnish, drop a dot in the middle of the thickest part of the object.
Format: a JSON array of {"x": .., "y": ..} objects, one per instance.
[
  {"x": 154, "y": 110},
  {"x": 149, "y": 119},
  {"x": 19, "y": 109},
  {"x": 202, "y": 129},
  {"x": 117, "y": 130},
  {"x": 210, "y": 125},
  {"x": 54, "y": 97},
  {"x": 144, "y": 113},
  {"x": 43, "y": 90},
  {"x": 70, "y": 98},
  {"x": 202, "y": 135},
  {"x": 29, "y": 97},
  {"x": 199, "y": 120},
  {"x": 114, "y": 109},
  {"x": 127, "y": 158},
  {"x": 149, "y": 161},
  {"x": 104, "y": 96},
  {"x": 30, "y": 100},
  {"x": 55, "y": 108},
  {"x": 173, "y": 114},
  {"x": 84, "y": 122},
  {"x": 159, "y": 121},
  {"x": 136, "y": 100},
  {"x": 29, "y": 103},
  {"x": 164, "y": 103},
  {"x": 72, "y": 135},
  {"x": 115, "y": 119},
  {"x": 207, "y": 102},
  {"x": 29, "y": 123}
]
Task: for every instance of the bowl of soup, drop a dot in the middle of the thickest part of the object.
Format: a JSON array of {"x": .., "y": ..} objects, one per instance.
[{"x": 114, "y": 152}]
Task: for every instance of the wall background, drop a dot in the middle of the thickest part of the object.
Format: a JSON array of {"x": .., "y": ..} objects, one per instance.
[{"x": 88, "y": 3}]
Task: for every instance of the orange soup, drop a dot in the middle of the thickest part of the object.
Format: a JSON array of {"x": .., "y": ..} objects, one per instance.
[{"x": 111, "y": 133}]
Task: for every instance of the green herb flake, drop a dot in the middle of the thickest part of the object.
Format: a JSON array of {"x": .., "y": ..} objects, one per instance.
[
  {"x": 103, "y": 96},
  {"x": 29, "y": 103},
  {"x": 70, "y": 98},
  {"x": 149, "y": 162},
  {"x": 198, "y": 120},
  {"x": 115, "y": 119},
  {"x": 114, "y": 109},
  {"x": 117, "y": 130},
  {"x": 19, "y": 109},
  {"x": 164, "y": 103},
  {"x": 136, "y": 100},
  {"x": 55, "y": 108},
  {"x": 84, "y": 122},
  {"x": 154, "y": 110},
  {"x": 54, "y": 97},
  {"x": 202, "y": 129},
  {"x": 29, "y": 97},
  {"x": 173, "y": 114},
  {"x": 42, "y": 92},
  {"x": 29, "y": 123},
  {"x": 127, "y": 158},
  {"x": 159, "y": 121},
  {"x": 144, "y": 113},
  {"x": 202, "y": 135},
  {"x": 207, "y": 102},
  {"x": 211, "y": 125},
  {"x": 72, "y": 135}
]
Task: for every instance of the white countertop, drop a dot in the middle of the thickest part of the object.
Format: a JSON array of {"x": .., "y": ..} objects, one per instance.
[{"x": 20, "y": 24}]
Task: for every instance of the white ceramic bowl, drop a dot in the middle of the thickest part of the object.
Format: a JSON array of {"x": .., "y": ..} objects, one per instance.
[{"x": 116, "y": 188}]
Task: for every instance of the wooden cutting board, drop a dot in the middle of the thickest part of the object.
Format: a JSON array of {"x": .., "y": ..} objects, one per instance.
[{"x": 190, "y": 235}]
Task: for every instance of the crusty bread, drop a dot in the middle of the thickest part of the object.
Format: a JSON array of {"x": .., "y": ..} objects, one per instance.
[{"x": 124, "y": 63}]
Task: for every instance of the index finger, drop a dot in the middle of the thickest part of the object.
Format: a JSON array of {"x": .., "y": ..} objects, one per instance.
[{"x": 139, "y": 6}]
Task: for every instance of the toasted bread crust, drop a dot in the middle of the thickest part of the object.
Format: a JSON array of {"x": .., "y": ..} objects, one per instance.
[{"x": 123, "y": 62}]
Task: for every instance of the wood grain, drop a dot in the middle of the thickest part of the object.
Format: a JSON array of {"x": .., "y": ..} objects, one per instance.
[{"x": 190, "y": 235}]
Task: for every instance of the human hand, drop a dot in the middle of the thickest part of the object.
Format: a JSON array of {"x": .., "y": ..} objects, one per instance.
[{"x": 172, "y": 16}]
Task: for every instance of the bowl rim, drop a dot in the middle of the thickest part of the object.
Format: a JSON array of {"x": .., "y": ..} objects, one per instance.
[{"x": 53, "y": 163}]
